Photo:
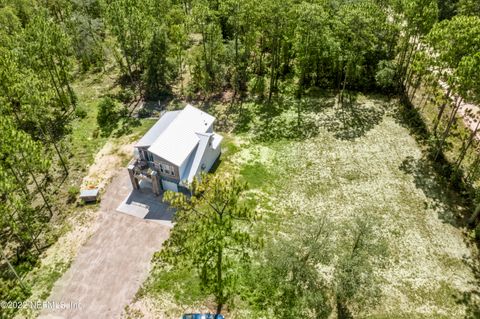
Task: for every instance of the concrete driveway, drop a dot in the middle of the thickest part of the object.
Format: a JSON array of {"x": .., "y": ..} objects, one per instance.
[
  {"x": 142, "y": 203},
  {"x": 115, "y": 261}
]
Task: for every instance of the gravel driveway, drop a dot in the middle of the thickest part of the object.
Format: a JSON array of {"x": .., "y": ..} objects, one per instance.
[{"x": 114, "y": 262}]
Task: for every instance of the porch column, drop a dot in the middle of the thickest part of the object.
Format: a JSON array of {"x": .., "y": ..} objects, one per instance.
[
  {"x": 156, "y": 183},
  {"x": 133, "y": 179}
]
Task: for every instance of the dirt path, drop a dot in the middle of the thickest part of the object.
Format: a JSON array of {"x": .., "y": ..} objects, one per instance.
[{"x": 114, "y": 262}]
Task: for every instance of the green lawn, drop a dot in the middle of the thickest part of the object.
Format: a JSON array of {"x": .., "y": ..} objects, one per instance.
[{"x": 357, "y": 161}]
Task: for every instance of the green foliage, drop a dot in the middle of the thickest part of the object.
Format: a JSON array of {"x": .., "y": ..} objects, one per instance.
[
  {"x": 469, "y": 77},
  {"x": 212, "y": 233},
  {"x": 73, "y": 192},
  {"x": 287, "y": 282},
  {"x": 11, "y": 291},
  {"x": 290, "y": 279},
  {"x": 272, "y": 50},
  {"x": 109, "y": 114},
  {"x": 468, "y": 7},
  {"x": 80, "y": 113},
  {"x": 477, "y": 232},
  {"x": 183, "y": 283},
  {"x": 454, "y": 39},
  {"x": 159, "y": 68},
  {"x": 207, "y": 60},
  {"x": 447, "y": 9},
  {"x": 385, "y": 76},
  {"x": 88, "y": 34},
  {"x": 362, "y": 253}
]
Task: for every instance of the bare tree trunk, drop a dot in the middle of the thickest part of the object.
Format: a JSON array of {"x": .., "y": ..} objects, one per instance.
[
  {"x": 466, "y": 147},
  {"x": 220, "y": 297},
  {"x": 343, "y": 86},
  {"x": 12, "y": 269},
  {"x": 440, "y": 112},
  {"x": 474, "y": 216},
  {"x": 449, "y": 126}
]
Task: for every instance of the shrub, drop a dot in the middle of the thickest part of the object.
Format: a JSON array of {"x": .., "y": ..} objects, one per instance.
[
  {"x": 80, "y": 113},
  {"x": 109, "y": 114},
  {"x": 144, "y": 112},
  {"x": 385, "y": 76},
  {"x": 73, "y": 192}
]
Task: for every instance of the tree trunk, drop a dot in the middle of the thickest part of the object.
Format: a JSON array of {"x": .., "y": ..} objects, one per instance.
[
  {"x": 474, "y": 216},
  {"x": 342, "y": 310},
  {"x": 466, "y": 147},
  {"x": 343, "y": 86},
  {"x": 220, "y": 297},
  {"x": 13, "y": 270},
  {"x": 449, "y": 126},
  {"x": 440, "y": 112}
]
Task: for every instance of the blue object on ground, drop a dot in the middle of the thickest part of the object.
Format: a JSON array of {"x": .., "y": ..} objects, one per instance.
[{"x": 202, "y": 316}]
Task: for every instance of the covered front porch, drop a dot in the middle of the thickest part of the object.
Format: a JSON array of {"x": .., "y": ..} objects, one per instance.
[{"x": 142, "y": 174}]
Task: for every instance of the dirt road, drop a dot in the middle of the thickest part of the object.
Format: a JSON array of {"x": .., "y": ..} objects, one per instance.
[{"x": 112, "y": 265}]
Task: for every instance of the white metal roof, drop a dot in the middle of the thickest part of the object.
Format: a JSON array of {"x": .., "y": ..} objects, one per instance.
[
  {"x": 179, "y": 139},
  {"x": 157, "y": 129}
]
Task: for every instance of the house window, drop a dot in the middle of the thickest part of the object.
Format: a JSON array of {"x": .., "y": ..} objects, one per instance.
[
  {"x": 167, "y": 169},
  {"x": 149, "y": 156},
  {"x": 142, "y": 154}
]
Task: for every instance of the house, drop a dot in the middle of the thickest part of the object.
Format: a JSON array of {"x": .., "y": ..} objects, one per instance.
[{"x": 179, "y": 147}]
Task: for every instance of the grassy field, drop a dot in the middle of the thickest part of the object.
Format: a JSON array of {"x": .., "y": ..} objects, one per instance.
[{"x": 345, "y": 162}]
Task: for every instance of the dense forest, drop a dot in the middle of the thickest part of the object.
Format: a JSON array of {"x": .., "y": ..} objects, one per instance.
[{"x": 260, "y": 51}]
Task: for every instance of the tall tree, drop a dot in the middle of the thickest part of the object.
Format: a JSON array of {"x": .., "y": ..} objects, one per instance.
[
  {"x": 420, "y": 16},
  {"x": 208, "y": 59},
  {"x": 469, "y": 78},
  {"x": 212, "y": 233},
  {"x": 131, "y": 23},
  {"x": 451, "y": 41},
  {"x": 286, "y": 281},
  {"x": 355, "y": 281}
]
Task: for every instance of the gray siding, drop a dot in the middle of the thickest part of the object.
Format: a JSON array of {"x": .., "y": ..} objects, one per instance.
[{"x": 158, "y": 161}]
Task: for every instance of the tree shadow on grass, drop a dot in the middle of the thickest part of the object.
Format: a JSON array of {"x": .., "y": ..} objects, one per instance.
[
  {"x": 471, "y": 299},
  {"x": 244, "y": 119},
  {"x": 408, "y": 116},
  {"x": 451, "y": 208},
  {"x": 353, "y": 120},
  {"x": 287, "y": 118}
]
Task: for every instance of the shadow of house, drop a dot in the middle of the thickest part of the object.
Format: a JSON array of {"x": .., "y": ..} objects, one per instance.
[{"x": 143, "y": 204}]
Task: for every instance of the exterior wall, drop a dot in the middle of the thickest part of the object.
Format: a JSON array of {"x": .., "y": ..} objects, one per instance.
[
  {"x": 158, "y": 161},
  {"x": 142, "y": 153},
  {"x": 209, "y": 158}
]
